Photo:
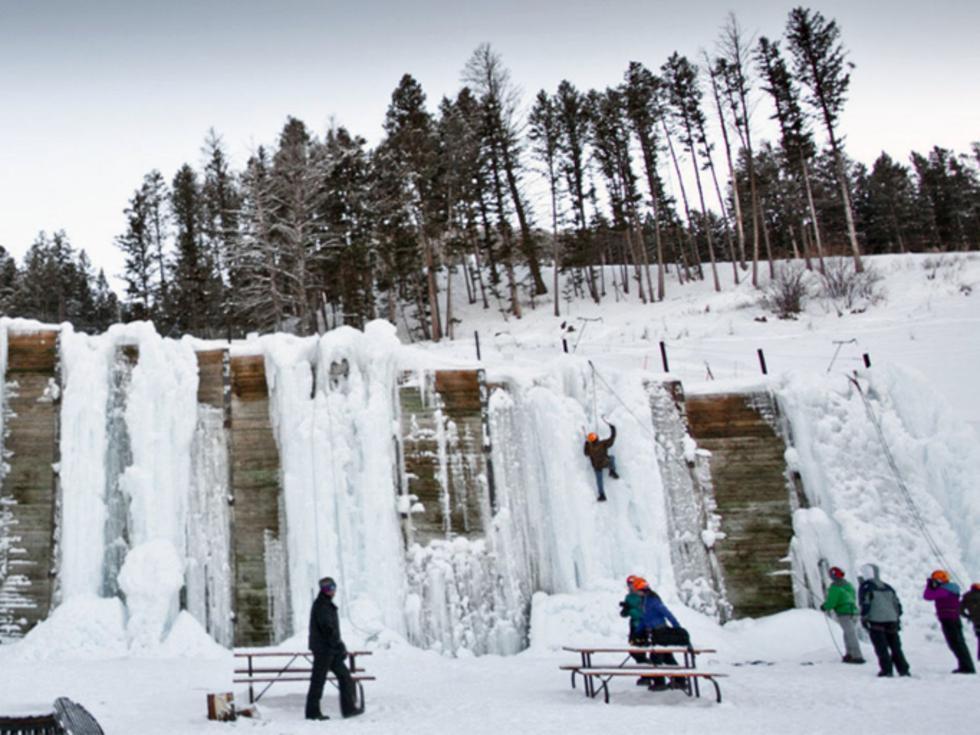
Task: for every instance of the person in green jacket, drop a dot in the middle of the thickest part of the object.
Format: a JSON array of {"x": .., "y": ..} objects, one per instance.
[
  {"x": 632, "y": 607},
  {"x": 842, "y": 601}
]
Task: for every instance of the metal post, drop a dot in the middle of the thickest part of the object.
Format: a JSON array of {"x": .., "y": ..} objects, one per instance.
[
  {"x": 762, "y": 362},
  {"x": 663, "y": 357},
  {"x": 476, "y": 338},
  {"x": 867, "y": 360}
]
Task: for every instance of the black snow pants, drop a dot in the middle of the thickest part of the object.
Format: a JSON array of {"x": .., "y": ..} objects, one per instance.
[
  {"x": 888, "y": 648},
  {"x": 953, "y": 632},
  {"x": 333, "y": 662}
]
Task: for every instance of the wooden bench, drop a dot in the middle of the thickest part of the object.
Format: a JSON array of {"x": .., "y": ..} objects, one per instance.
[
  {"x": 587, "y": 669},
  {"x": 262, "y": 668},
  {"x": 604, "y": 676}
]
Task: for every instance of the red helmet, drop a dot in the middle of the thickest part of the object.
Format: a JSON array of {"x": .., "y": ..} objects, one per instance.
[
  {"x": 592, "y": 436},
  {"x": 836, "y": 573},
  {"x": 941, "y": 576},
  {"x": 639, "y": 583},
  {"x": 630, "y": 580},
  {"x": 975, "y": 586}
]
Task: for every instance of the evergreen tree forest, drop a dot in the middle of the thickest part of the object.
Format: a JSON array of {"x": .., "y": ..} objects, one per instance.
[{"x": 664, "y": 174}]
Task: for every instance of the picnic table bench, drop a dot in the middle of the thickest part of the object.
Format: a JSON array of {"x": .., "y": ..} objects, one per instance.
[
  {"x": 596, "y": 677},
  {"x": 266, "y": 667}
]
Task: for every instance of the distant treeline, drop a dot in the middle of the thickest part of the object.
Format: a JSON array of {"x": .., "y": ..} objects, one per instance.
[{"x": 319, "y": 231}]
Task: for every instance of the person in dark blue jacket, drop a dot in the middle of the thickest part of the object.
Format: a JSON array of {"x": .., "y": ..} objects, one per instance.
[{"x": 656, "y": 616}]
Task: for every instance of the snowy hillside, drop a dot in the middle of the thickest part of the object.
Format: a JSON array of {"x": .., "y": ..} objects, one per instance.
[{"x": 887, "y": 457}]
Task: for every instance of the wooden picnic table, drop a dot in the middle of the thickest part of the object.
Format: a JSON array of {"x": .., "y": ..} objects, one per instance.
[
  {"x": 262, "y": 669},
  {"x": 596, "y": 677}
]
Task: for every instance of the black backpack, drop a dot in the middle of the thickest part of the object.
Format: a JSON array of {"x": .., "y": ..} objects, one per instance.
[{"x": 670, "y": 637}]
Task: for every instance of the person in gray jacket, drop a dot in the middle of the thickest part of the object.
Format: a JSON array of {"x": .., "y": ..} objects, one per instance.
[{"x": 881, "y": 614}]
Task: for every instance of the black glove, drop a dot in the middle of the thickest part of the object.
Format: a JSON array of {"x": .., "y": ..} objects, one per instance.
[
  {"x": 932, "y": 583},
  {"x": 624, "y": 610}
]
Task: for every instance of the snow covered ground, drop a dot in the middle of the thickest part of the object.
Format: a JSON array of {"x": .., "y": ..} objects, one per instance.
[{"x": 784, "y": 671}]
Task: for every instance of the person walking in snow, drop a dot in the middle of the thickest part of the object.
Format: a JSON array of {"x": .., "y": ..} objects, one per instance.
[
  {"x": 598, "y": 453},
  {"x": 946, "y": 594},
  {"x": 881, "y": 613},
  {"x": 970, "y": 609},
  {"x": 842, "y": 602},
  {"x": 329, "y": 654}
]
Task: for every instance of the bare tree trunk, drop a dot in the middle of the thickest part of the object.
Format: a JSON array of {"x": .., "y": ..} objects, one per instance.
[
  {"x": 736, "y": 199},
  {"x": 687, "y": 208},
  {"x": 725, "y": 217},
  {"x": 813, "y": 214},
  {"x": 433, "y": 288}
]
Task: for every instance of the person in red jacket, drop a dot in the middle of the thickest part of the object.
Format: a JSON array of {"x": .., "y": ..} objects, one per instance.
[{"x": 946, "y": 595}]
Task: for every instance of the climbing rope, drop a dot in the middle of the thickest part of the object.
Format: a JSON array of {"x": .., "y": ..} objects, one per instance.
[{"x": 890, "y": 459}]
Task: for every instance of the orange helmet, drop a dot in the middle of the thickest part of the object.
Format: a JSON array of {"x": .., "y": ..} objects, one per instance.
[
  {"x": 592, "y": 436},
  {"x": 639, "y": 583},
  {"x": 975, "y": 586},
  {"x": 941, "y": 576}
]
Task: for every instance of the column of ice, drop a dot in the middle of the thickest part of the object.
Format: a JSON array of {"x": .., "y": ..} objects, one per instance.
[
  {"x": 160, "y": 414},
  {"x": 85, "y": 365},
  {"x": 208, "y": 541},
  {"x": 337, "y": 460}
]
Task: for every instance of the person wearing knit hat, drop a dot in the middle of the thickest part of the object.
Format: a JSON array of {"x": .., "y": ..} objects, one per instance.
[{"x": 329, "y": 654}]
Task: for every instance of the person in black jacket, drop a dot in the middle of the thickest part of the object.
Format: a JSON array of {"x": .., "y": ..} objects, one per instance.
[
  {"x": 598, "y": 453},
  {"x": 329, "y": 653},
  {"x": 970, "y": 609}
]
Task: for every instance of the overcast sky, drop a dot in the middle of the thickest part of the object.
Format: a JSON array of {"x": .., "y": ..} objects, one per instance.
[{"x": 95, "y": 93}]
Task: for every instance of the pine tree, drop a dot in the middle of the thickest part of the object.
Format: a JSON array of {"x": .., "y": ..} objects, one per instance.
[
  {"x": 221, "y": 204},
  {"x": 487, "y": 76},
  {"x": 136, "y": 244},
  {"x": 544, "y": 133},
  {"x": 821, "y": 64},
  {"x": 795, "y": 137},
  {"x": 8, "y": 280},
  {"x": 684, "y": 93},
  {"x": 575, "y": 136},
  {"x": 735, "y": 74},
  {"x": 197, "y": 290},
  {"x": 411, "y": 145},
  {"x": 643, "y": 109},
  {"x": 155, "y": 198}
]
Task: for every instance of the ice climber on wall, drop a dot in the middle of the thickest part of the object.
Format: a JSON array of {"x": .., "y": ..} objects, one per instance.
[
  {"x": 842, "y": 602},
  {"x": 598, "y": 453},
  {"x": 881, "y": 613},
  {"x": 970, "y": 609},
  {"x": 946, "y": 595}
]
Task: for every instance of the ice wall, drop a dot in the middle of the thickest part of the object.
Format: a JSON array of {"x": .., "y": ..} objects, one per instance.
[
  {"x": 563, "y": 540},
  {"x": 335, "y": 430},
  {"x": 858, "y": 513},
  {"x": 160, "y": 414}
]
